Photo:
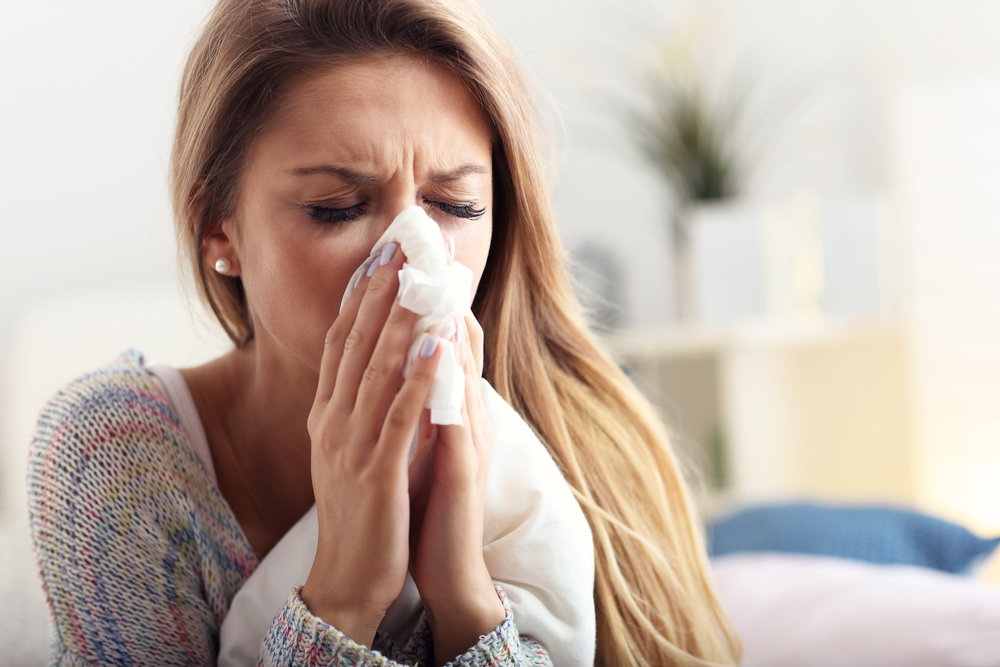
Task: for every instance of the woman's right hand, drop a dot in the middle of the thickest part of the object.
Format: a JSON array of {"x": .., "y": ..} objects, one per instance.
[{"x": 361, "y": 425}]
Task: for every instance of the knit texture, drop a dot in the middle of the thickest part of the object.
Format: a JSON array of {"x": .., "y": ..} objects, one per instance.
[{"x": 140, "y": 556}]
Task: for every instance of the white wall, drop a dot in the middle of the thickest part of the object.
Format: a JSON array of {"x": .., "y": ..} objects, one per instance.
[
  {"x": 89, "y": 94},
  {"x": 90, "y": 91},
  {"x": 947, "y": 148}
]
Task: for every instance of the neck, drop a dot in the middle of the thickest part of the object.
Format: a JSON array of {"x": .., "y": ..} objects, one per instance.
[{"x": 254, "y": 403}]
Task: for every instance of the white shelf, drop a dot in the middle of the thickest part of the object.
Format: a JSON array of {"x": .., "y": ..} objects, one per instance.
[
  {"x": 806, "y": 408},
  {"x": 691, "y": 340}
]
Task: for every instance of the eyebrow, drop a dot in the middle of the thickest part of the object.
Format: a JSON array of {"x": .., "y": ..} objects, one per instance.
[
  {"x": 344, "y": 174},
  {"x": 357, "y": 178},
  {"x": 459, "y": 173}
]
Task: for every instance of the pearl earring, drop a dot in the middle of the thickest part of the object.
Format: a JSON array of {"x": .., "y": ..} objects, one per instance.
[{"x": 222, "y": 265}]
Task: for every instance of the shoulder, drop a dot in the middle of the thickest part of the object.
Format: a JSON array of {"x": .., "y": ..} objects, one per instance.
[
  {"x": 108, "y": 442},
  {"x": 119, "y": 394},
  {"x": 110, "y": 461},
  {"x": 126, "y": 524},
  {"x": 101, "y": 424},
  {"x": 112, "y": 438}
]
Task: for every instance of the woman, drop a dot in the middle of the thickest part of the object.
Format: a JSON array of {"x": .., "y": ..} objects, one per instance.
[{"x": 305, "y": 126}]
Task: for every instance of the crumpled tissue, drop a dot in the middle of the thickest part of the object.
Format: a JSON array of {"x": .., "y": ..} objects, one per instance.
[{"x": 436, "y": 291}]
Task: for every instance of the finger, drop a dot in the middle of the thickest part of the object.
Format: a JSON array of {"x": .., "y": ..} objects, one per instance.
[
  {"x": 475, "y": 408},
  {"x": 401, "y": 419},
  {"x": 419, "y": 466},
  {"x": 425, "y": 435},
  {"x": 473, "y": 333},
  {"x": 449, "y": 244},
  {"x": 333, "y": 346},
  {"x": 381, "y": 379},
  {"x": 456, "y": 446},
  {"x": 376, "y": 303},
  {"x": 464, "y": 358},
  {"x": 472, "y": 377}
]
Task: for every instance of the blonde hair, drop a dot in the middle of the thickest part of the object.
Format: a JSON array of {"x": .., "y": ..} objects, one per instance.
[{"x": 655, "y": 600}]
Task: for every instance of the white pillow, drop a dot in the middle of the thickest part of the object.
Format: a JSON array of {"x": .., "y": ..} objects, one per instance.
[{"x": 795, "y": 610}]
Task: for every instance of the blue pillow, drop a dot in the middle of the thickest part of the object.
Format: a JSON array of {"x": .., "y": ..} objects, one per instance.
[{"x": 873, "y": 534}]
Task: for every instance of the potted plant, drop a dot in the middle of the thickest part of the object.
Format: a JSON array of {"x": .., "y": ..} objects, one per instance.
[{"x": 693, "y": 139}]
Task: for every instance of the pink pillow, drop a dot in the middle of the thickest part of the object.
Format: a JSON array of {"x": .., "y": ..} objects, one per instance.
[{"x": 795, "y": 610}]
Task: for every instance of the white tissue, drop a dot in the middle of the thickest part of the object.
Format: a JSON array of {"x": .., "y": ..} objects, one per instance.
[{"x": 438, "y": 293}]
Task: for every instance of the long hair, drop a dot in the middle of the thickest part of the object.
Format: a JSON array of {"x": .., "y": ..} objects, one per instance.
[{"x": 654, "y": 597}]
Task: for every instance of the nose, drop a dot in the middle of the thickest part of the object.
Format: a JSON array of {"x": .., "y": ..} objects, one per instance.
[
  {"x": 397, "y": 195},
  {"x": 392, "y": 211}
]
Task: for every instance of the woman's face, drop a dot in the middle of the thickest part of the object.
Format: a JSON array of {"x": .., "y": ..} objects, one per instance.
[{"x": 348, "y": 149}]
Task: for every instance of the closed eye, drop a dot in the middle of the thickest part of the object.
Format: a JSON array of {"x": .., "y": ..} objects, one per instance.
[
  {"x": 467, "y": 211},
  {"x": 331, "y": 215}
]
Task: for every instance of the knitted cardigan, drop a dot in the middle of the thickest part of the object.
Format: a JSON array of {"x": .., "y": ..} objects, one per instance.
[{"x": 140, "y": 556}]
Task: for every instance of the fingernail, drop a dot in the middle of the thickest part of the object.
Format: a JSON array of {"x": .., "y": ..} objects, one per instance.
[
  {"x": 387, "y": 252},
  {"x": 372, "y": 267},
  {"x": 451, "y": 248},
  {"x": 427, "y": 349},
  {"x": 446, "y": 330}
]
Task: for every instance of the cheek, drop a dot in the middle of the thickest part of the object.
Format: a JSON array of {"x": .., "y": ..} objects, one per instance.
[{"x": 294, "y": 287}]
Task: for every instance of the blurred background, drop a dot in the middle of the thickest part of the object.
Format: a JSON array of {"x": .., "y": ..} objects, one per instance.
[{"x": 784, "y": 216}]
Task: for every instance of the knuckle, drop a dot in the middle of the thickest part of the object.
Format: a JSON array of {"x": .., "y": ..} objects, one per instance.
[
  {"x": 397, "y": 419},
  {"x": 313, "y": 422},
  {"x": 376, "y": 370},
  {"x": 421, "y": 374},
  {"x": 354, "y": 340},
  {"x": 475, "y": 329},
  {"x": 333, "y": 334},
  {"x": 398, "y": 315},
  {"x": 321, "y": 421},
  {"x": 380, "y": 281}
]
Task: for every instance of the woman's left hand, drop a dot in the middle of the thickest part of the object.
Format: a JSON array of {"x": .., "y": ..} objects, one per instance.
[{"x": 448, "y": 492}]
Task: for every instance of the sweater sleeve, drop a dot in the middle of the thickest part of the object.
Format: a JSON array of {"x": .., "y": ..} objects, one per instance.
[{"x": 299, "y": 639}]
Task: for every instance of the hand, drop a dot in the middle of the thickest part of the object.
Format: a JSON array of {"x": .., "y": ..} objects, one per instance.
[
  {"x": 361, "y": 425},
  {"x": 448, "y": 477}
]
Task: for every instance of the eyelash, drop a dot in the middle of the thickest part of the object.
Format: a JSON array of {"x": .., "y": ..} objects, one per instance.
[
  {"x": 467, "y": 211},
  {"x": 330, "y": 215}
]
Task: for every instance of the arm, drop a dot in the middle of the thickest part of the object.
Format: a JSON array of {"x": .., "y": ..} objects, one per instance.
[{"x": 297, "y": 638}]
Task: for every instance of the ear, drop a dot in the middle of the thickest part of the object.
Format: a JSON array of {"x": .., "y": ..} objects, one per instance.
[{"x": 219, "y": 244}]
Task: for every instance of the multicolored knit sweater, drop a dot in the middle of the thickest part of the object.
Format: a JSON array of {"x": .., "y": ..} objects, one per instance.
[{"x": 140, "y": 555}]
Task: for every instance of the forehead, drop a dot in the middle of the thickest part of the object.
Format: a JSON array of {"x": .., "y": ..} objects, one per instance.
[{"x": 377, "y": 109}]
